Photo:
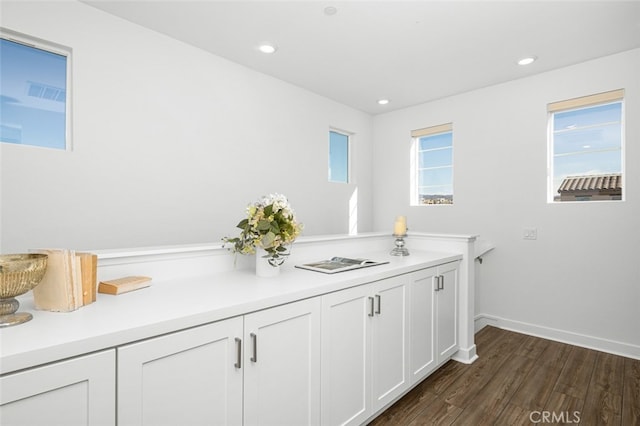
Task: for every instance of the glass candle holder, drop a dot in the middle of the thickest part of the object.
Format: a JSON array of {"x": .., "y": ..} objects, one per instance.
[{"x": 400, "y": 249}]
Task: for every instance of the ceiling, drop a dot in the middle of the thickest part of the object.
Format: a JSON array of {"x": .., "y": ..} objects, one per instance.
[{"x": 409, "y": 52}]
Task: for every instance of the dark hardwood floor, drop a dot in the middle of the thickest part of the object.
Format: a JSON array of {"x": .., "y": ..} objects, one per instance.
[{"x": 524, "y": 380}]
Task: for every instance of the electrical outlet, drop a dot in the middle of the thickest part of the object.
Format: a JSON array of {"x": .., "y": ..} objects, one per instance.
[{"x": 530, "y": 234}]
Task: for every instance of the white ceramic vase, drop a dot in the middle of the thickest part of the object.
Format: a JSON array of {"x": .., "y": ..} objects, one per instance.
[{"x": 263, "y": 268}]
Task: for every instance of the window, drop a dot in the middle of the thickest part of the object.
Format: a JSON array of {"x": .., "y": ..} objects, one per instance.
[
  {"x": 34, "y": 92},
  {"x": 586, "y": 148},
  {"x": 432, "y": 165},
  {"x": 338, "y": 157}
]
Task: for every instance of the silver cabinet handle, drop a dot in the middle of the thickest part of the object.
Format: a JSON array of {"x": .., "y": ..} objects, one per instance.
[
  {"x": 441, "y": 282},
  {"x": 254, "y": 358},
  {"x": 238, "y": 363},
  {"x": 437, "y": 278},
  {"x": 379, "y": 299},
  {"x": 371, "y": 306}
]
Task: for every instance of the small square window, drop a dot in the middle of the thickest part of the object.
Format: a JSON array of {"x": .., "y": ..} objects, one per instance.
[{"x": 34, "y": 92}]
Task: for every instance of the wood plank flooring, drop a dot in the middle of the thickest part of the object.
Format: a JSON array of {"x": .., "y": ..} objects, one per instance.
[{"x": 524, "y": 380}]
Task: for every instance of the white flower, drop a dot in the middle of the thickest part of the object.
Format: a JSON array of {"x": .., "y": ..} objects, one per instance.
[{"x": 270, "y": 229}]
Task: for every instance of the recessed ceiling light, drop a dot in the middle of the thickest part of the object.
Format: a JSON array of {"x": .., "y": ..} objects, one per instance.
[
  {"x": 330, "y": 10},
  {"x": 267, "y": 48},
  {"x": 383, "y": 101},
  {"x": 528, "y": 60}
]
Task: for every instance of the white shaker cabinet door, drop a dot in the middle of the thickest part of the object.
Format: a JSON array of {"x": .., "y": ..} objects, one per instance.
[
  {"x": 390, "y": 340},
  {"x": 447, "y": 309},
  {"x": 423, "y": 310},
  {"x": 190, "y": 377},
  {"x": 347, "y": 317},
  {"x": 282, "y": 365},
  {"x": 75, "y": 392},
  {"x": 434, "y": 318}
]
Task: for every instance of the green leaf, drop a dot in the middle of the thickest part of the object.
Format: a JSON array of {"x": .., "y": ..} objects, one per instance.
[
  {"x": 268, "y": 239},
  {"x": 268, "y": 210},
  {"x": 243, "y": 223},
  {"x": 264, "y": 225}
]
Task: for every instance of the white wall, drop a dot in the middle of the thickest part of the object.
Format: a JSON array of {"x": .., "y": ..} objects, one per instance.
[
  {"x": 170, "y": 143},
  {"x": 580, "y": 279}
]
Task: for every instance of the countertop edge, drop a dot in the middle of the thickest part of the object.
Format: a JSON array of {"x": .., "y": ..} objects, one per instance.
[{"x": 15, "y": 357}]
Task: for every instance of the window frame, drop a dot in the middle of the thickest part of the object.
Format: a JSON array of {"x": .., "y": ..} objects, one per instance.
[
  {"x": 575, "y": 104},
  {"x": 57, "y": 49},
  {"x": 349, "y": 137},
  {"x": 416, "y": 135}
]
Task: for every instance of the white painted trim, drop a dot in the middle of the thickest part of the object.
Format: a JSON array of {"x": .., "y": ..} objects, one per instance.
[
  {"x": 591, "y": 342},
  {"x": 481, "y": 321},
  {"x": 466, "y": 356},
  {"x": 154, "y": 251},
  {"x": 190, "y": 248},
  {"x": 461, "y": 237}
]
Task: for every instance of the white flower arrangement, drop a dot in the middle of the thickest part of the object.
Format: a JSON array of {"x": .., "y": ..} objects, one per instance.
[{"x": 271, "y": 225}]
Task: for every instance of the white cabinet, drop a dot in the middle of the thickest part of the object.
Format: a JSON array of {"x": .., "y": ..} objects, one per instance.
[
  {"x": 364, "y": 350},
  {"x": 423, "y": 351},
  {"x": 447, "y": 311},
  {"x": 189, "y": 377},
  {"x": 337, "y": 358},
  {"x": 346, "y": 356},
  {"x": 282, "y": 365},
  {"x": 434, "y": 328},
  {"x": 263, "y": 368},
  {"x": 78, "y": 391},
  {"x": 390, "y": 340}
]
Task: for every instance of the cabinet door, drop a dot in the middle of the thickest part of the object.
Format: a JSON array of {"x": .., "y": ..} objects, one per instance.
[
  {"x": 346, "y": 361},
  {"x": 282, "y": 365},
  {"x": 390, "y": 337},
  {"x": 187, "y": 377},
  {"x": 423, "y": 354},
  {"x": 79, "y": 391},
  {"x": 447, "y": 309}
]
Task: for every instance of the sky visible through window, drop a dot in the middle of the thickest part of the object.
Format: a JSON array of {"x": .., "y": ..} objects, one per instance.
[
  {"x": 587, "y": 141},
  {"x": 33, "y": 87},
  {"x": 435, "y": 169},
  {"x": 338, "y": 157}
]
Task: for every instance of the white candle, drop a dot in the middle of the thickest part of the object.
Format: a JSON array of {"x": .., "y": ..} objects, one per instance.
[{"x": 400, "y": 226}]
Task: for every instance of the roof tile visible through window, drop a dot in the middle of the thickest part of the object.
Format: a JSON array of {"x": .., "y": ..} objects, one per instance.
[{"x": 590, "y": 183}]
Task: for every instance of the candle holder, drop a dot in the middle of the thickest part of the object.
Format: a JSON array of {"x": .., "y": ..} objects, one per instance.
[{"x": 400, "y": 249}]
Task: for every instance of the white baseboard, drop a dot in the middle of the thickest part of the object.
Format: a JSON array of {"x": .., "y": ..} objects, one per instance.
[
  {"x": 466, "y": 356},
  {"x": 590, "y": 342}
]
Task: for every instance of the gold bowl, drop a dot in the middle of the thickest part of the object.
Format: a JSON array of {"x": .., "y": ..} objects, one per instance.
[{"x": 19, "y": 273}]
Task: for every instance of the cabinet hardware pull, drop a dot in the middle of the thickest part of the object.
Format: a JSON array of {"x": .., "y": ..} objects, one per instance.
[
  {"x": 371, "y": 306},
  {"x": 238, "y": 363},
  {"x": 441, "y": 282},
  {"x": 379, "y": 304},
  {"x": 437, "y": 278},
  {"x": 254, "y": 358}
]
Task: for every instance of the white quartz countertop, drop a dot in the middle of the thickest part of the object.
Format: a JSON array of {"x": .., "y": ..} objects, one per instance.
[{"x": 172, "y": 305}]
